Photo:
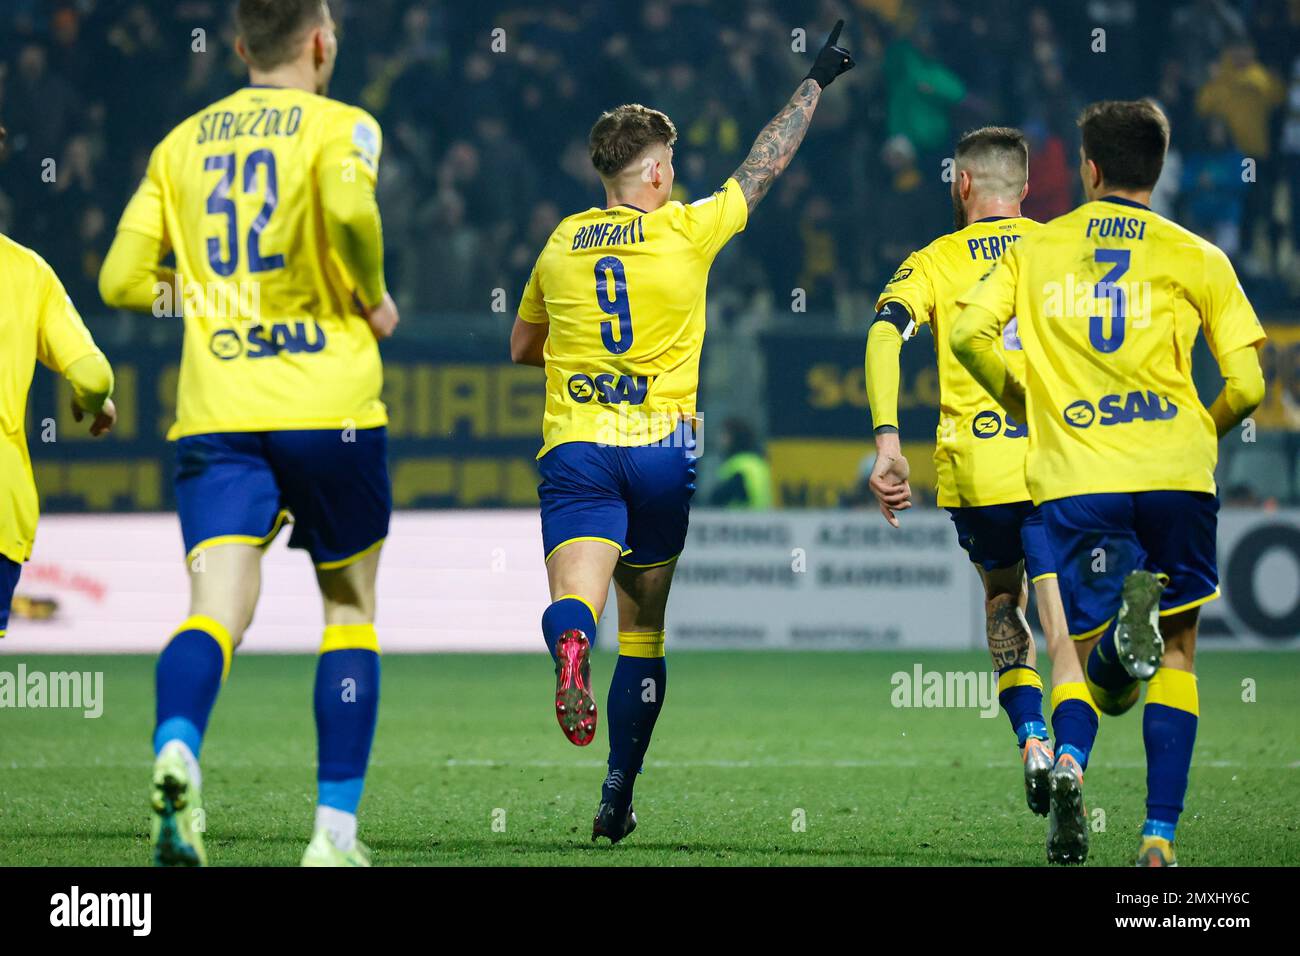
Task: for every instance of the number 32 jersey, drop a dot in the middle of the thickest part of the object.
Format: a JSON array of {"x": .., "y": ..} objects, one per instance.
[
  {"x": 273, "y": 339},
  {"x": 1109, "y": 300},
  {"x": 624, "y": 293}
]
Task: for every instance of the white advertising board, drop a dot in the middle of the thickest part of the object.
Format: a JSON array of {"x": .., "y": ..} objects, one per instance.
[{"x": 474, "y": 581}]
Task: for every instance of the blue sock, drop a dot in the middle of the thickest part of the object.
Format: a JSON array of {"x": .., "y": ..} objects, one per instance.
[
  {"x": 568, "y": 613},
  {"x": 1020, "y": 692},
  {"x": 1074, "y": 719},
  {"x": 187, "y": 679},
  {"x": 1169, "y": 722},
  {"x": 347, "y": 707},
  {"x": 636, "y": 695}
]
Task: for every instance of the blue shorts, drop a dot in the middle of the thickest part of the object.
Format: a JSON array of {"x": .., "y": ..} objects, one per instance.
[
  {"x": 240, "y": 488},
  {"x": 636, "y": 498},
  {"x": 1099, "y": 539},
  {"x": 9, "y": 572},
  {"x": 1001, "y": 536}
]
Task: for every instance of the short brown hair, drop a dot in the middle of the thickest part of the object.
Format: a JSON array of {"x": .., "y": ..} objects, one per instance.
[
  {"x": 1001, "y": 152},
  {"x": 1127, "y": 140},
  {"x": 271, "y": 29},
  {"x": 624, "y": 133}
]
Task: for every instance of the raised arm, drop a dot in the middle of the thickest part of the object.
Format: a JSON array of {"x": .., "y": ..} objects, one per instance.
[{"x": 780, "y": 138}]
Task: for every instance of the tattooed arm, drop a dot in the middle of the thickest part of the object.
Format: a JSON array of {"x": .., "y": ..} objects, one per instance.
[{"x": 776, "y": 144}]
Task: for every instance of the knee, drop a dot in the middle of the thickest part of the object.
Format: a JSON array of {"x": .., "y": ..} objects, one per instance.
[
  {"x": 1113, "y": 703},
  {"x": 233, "y": 618}
]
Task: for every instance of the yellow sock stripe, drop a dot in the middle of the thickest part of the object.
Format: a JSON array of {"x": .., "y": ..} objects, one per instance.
[
  {"x": 1019, "y": 677},
  {"x": 577, "y": 597},
  {"x": 1174, "y": 688},
  {"x": 214, "y": 629},
  {"x": 1074, "y": 690},
  {"x": 641, "y": 643},
  {"x": 346, "y": 637}
]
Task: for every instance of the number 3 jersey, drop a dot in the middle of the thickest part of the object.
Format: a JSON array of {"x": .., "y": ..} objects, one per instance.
[
  {"x": 273, "y": 336},
  {"x": 624, "y": 293},
  {"x": 1109, "y": 299},
  {"x": 979, "y": 453}
]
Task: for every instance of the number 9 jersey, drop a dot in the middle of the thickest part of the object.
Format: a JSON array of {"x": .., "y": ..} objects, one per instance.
[
  {"x": 274, "y": 336},
  {"x": 624, "y": 292}
]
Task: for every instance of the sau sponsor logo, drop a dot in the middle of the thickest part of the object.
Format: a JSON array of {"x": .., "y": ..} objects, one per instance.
[
  {"x": 608, "y": 388},
  {"x": 226, "y": 344},
  {"x": 1120, "y": 410},
  {"x": 1080, "y": 414},
  {"x": 986, "y": 424},
  {"x": 268, "y": 341}
]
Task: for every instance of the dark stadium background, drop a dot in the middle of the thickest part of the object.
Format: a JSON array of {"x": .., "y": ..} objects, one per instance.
[{"x": 484, "y": 153}]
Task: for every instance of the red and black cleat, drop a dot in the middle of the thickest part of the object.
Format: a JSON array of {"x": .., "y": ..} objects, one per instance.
[{"x": 575, "y": 708}]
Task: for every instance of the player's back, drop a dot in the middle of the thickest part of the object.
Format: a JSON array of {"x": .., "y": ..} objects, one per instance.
[
  {"x": 1110, "y": 299},
  {"x": 624, "y": 291},
  {"x": 979, "y": 453},
  {"x": 273, "y": 337},
  {"x": 37, "y": 322}
]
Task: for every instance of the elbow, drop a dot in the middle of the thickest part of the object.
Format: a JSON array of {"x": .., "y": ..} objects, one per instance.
[
  {"x": 962, "y": 338},
  {"x": 112, "y": 290},
  {"x": 518, "y": 350},
  {"x": 1250, "y": 394}
]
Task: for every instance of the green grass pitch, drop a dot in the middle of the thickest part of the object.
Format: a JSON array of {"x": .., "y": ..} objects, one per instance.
[{"x": 470, "y": 768}]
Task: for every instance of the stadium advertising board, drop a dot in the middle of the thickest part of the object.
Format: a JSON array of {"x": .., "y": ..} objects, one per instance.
[
  {"x": 807, "y": 580},
  {"x": 464, "y": 427}
]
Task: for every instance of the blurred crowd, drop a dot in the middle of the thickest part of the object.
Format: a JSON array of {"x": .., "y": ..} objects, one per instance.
[{"x": 485, "y": 148}]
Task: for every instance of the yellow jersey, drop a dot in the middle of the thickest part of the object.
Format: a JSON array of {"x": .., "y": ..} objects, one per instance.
[
  {"x": 38, "y": 322},
  {"x": 273, "y": 336},
  {"x": 979, "y": 451},
  {"x": 624, "y": 293},
  {"x": 1109, "y": 299}
]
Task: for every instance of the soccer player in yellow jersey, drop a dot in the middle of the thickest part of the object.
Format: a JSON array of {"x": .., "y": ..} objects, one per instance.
[
  {"x": 614, "y": 311},
  {"x": 38, "y": 323},
  {"x": 1108, "y": 300},
  {"x": 266, "y": 198},
  {"x": 980, "y": 453}
]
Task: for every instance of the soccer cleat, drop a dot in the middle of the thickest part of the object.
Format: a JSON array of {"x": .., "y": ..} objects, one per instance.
[
  {"x": 1156, "y": 851},
  {"x": 1037, "y": 757},
  {"x": 1137, "y": 633},
  {"x": 609, "y": 824},
  {"x": 575, "y": 708},
  {"x": 1067, "y": 821},
  {"x": 321, "y": 851},
  {"x": 177, "y": 808}
]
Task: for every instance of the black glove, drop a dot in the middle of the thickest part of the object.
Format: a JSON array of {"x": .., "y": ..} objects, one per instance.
[{"x": 831, "y": 61}]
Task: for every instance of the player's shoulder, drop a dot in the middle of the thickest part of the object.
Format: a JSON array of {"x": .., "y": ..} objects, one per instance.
[
  {"x": 1183, "y": 239},
  {"x": 566, "y": 232},
  {"x": 337, "y": 111},
  {"x": 26, "y": 278},
  {"x": 20, "y": 262}
]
